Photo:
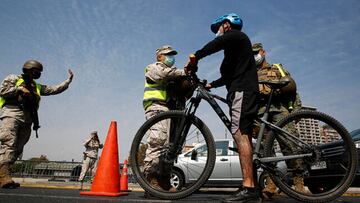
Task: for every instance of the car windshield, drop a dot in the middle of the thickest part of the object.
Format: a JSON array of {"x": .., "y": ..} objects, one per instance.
[
  {"x": 355, "y": 134},
  {"x": 221, "y": 149}
]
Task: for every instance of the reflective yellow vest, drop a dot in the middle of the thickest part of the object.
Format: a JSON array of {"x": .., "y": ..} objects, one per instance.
[
  {"x": 18, "y": 83},
  {"x": 153, "y": 93}
]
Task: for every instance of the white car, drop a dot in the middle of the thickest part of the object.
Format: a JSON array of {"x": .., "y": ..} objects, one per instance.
[{"x": 227, "y": 171}]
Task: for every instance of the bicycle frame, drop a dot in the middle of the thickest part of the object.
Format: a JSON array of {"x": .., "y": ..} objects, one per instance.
[
  {"x": 202, "y": 93},
  {"x": 183, "y": 127}
]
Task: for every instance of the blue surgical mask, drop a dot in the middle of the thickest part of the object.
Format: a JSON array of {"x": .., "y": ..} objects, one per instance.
[{"x": 169, "y": 60}]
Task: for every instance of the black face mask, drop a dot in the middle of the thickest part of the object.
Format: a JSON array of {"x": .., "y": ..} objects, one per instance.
[{"x": 36, "y": 74}]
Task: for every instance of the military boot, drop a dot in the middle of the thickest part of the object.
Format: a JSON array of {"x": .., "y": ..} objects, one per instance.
[
  {"x": 270, "y": 188},
  {"x": 165, "y": 183},
  {"x": 154, "y": 182},
  {"x": 5, "y": 178},
  {"x": 299, "y": 184}
]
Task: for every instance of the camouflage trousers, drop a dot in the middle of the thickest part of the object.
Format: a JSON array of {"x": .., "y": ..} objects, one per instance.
[
  {"x": 88, "y": 163},
  {"x": 287, "y": 148},
  {"x": 157, "y": 138},
  {"x": 14, "y": 134}
]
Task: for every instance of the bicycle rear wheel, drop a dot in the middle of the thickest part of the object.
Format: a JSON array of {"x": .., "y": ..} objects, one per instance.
[
  {"x": 330, "y": 169},
  {"x": 195, "y": 158}
]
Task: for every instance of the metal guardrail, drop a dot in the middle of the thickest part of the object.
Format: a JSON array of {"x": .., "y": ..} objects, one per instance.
[
  {"x": 46, "y": 169},
  {"x": 54, "y": 170}
]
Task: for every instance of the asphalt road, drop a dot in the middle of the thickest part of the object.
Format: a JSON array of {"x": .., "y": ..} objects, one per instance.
[{"x": 42, "y": 195}]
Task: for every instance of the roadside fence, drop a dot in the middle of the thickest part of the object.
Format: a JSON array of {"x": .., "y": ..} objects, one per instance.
[{"x": 53, "y": 170}]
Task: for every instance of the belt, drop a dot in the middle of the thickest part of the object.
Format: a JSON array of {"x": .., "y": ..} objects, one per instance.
[{"x": 13, "y": 106}]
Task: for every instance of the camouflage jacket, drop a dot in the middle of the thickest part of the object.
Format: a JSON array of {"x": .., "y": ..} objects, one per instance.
[
  {"x": 280, "y": 101},
  {"x": 92, "y": 147},
  {"x": 9, "y": 90},
  {"x": 160, "y": 73}
]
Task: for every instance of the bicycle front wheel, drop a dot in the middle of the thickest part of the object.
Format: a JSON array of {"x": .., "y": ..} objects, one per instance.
[
  {"x": 195, "y": 158},
  {"x": 329, "y": 166}
]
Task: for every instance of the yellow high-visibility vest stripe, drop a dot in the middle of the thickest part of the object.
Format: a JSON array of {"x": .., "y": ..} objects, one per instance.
[
  {"x": 153, "y": 92},
  {"x": 2, "y": 102},
  {"x": 281, "y": 70},
  {"x": 38, "y": 86},
  {"x": 17, "y": 84}
]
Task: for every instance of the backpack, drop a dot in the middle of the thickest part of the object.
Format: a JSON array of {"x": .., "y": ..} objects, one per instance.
[{"x": 274, "y": 73}]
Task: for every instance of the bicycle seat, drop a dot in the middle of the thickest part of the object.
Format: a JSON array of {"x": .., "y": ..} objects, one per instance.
[{"x": 276, "y": 84}]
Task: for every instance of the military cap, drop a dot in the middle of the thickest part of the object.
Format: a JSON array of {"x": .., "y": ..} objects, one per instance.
[
  {"x": 166, "y": 50},
  {"x": 257, "y": 47}
]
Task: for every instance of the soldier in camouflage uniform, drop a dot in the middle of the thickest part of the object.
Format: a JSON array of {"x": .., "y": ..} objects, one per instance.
[
  {"x": 157, "y": 77},
  {"x": 283, "y": 102},
  {"x": 92, "y": 146},
  {"x": 16, "y": 118}
]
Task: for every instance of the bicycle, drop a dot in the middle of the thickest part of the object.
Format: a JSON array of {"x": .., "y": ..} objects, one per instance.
[{"x": 186, "y": 128}]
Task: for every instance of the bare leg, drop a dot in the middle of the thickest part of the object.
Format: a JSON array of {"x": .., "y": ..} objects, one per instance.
[{"x": 246, "y": 158}]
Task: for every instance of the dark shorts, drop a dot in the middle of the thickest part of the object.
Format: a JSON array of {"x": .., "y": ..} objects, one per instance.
[{"x": 243, "y": 110}]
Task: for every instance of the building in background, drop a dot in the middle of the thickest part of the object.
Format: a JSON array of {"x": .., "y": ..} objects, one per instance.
[{"x": 314, "y": 132}]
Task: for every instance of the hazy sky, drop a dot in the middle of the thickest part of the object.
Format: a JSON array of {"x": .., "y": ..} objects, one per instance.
[{"x": 108, "y": 43}]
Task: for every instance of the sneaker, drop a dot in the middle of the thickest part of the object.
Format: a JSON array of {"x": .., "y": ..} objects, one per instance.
[
  {"x": 237, "y": 191},
  {"x": 245, "y": 195}
]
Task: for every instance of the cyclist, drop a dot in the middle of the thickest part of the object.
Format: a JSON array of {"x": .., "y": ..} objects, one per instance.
[
  {"x": 238, "y": 74},
  {"x": 284, "y": 101},
  {"x": 157, "y": 77}
]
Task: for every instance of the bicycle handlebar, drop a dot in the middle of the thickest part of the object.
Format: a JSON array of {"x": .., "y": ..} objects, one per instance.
[{"x": 195, "y": 79}]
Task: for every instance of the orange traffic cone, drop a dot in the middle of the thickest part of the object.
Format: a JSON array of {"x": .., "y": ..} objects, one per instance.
[
  {"x": 124, "y": 178},
  {"x": 107, "y": 174}
]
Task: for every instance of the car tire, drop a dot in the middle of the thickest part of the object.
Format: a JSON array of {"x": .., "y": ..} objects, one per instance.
[
  {"x": 177, "y": 179},
  {"x": 262, "y": 180}
]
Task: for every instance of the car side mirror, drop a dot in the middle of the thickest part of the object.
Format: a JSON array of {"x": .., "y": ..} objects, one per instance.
[{"x": 193, "y": 154}]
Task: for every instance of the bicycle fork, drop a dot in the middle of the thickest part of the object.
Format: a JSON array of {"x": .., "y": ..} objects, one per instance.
[{"x": 181, "y": 130}]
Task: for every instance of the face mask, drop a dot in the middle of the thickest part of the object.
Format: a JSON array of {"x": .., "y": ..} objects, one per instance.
[
  {"x": 259, "y": 59},
  {"x": 36, "y": 75},
  {"x": 169, "y": 60},
  {"x": 218, "y": 34}
]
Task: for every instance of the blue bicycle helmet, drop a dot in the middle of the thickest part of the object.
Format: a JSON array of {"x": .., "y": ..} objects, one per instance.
[{"x": 233, "y": 18}]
